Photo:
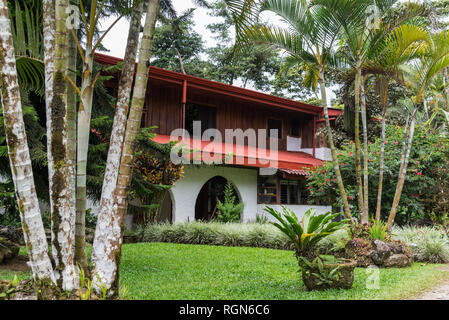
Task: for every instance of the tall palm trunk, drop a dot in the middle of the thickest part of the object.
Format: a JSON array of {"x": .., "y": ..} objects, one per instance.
[
  {"x": 121, "y": 114},
  {"x": 108, "y": 235},
  {"x": 446, "y": 87},
  {"x": 404, "y": 142},
  {"x": 358, "y": 164},
  {"x": 71, "y": 120},
  {"x": 403, "y": 170},
  {"x": 381, "y": 165},
  {"x": 332, "y": 147},
  {"x": 365, "y": 215},
  {"x": 19, "y": 156},
  {"x": 83, "y": 132},
  {"x": 63, "y": 221},
  {"x": 48, "y": 9}
]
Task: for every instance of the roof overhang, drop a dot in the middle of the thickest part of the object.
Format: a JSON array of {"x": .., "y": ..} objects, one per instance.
[
  {"x": 215, "y": 152},
  {"x": 219, "y": 88}
]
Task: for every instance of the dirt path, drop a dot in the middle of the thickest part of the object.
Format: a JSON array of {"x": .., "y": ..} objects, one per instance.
[{"x": 439, "y": 293}]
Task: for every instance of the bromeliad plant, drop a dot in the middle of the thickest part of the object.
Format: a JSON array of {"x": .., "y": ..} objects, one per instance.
[
  {"x": 306, "y": 233},
  {"x": 318, "y": 272},
  {"x": 379, "y": 230}
]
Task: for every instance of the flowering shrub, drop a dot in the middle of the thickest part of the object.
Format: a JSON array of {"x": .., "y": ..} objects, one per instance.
[{"x": 426, "y": 186}]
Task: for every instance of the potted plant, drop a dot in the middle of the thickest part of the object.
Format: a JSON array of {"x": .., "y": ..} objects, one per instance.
[{"x": 318, "y": 272}]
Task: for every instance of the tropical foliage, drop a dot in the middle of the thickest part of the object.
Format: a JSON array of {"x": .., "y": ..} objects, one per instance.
[
  {"x": 305, "y": 234},
  {"x": 425, "y": 176},
  {"x": 229, "y": 209}
]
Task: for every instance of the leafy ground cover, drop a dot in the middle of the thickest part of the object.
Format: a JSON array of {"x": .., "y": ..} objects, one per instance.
[{"x": 179, "y": 271}]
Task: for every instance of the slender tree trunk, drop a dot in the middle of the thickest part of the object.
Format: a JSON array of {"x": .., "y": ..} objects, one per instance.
[
  {"x": 365, "y": 216},
  {"x": 63, "y": 221},
  {"x": 49, "y": 29},
  {"x": 181, "y": 61},
  {"x": 71, "y": 144},
  {"x": 446, "y": 87},
  {"x": 83, "y": 133},
  {"x": 108, "y": 235},
  {"x": 403, "y": 171},
  {"x": 333, "y": 150},
  {"x": 19, "y": 156},
  {"x": 121, "y": 115},
  {"x": 358, "y": 164},
  {"x": 426, "y": 109},
  {"x": 381, "y": 165},
  {"x": 404, "y": 142}
]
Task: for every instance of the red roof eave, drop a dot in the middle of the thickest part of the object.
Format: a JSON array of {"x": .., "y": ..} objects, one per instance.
[
  {"x": 220, "y": 88},
  {"x": 247, "y": 156}
]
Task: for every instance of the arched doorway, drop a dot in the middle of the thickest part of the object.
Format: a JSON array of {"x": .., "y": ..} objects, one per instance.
[{"x": 206, "y": 202}]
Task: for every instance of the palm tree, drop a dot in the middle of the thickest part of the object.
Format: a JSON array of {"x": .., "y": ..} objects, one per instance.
[
  {"x": 63, "y": 221},
  {"x": 107, "y": 245},
  {"x": 106, "y": 251},
  {"x": 365, "y": 26},
  {"x": 19, "y": 155},
  {"x": 434, "y": 61},
  {"x": 404, "y": 44},
  {"x": 306, "y": 38}
]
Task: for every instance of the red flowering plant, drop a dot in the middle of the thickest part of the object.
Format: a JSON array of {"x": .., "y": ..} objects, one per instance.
[{"x": 426, "y": 188}]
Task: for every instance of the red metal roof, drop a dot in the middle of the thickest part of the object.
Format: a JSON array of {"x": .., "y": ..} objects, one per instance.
[
  {"x": 295, "y": 172},
  {"x": 247, "y": 155},
  {"x": 332, "y": 112},
  {"x": 219, "y": 88}
]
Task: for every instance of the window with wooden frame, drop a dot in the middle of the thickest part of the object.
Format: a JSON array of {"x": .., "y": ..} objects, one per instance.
[
  {"x": 278, "y": 190},
  {"x": 267, "y": 190},
  {"x": 275, "y": 124},
  {"x": 295, "y": 128},
  {"x": 206, "y": 114},
  {"x": 293, "y": 192},
  {"x": 143, "y": 121}
]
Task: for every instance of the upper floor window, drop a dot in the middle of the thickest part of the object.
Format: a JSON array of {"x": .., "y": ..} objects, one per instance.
[
  {"x": 275, "y": 124},
  {"x": 295, "y": 128},
  {"x": 195, "y": 112},
  {"x": 143, "y": 121}
]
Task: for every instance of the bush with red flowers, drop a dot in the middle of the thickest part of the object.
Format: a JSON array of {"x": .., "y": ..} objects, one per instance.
[{"x": 426, "y": 188}]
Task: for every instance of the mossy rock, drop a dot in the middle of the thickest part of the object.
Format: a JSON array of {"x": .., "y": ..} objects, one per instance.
[
  {"x": 359, "y": 250},
  {"x": 382, "y": 254},
  {"x": 6, "y": 289},
  {"x": 14, "y": 234},
  {"x": 8, "y": 250},
  {"x": 344, "y": 280}
]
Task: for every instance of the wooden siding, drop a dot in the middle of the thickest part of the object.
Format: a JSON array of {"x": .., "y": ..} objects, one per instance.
[{"x": 164, "y": 110}]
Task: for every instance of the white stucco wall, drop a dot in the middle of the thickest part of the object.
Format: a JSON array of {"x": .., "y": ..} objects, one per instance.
[
  {"x": 186, "y": 190},
  {"x": 320, "y": 153},
  {"x": 294, "y": 144},
  {"x": 299, "y": 210}
]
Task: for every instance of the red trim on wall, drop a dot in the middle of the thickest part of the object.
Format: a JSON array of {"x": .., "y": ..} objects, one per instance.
[
  {"x": 314, "y": 135},
  {"x": 323, "y": 120},
  {"x": 184, "y": 101}
]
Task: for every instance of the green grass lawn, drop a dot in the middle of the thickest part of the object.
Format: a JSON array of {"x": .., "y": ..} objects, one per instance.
[{"x": 175, "y": 271}]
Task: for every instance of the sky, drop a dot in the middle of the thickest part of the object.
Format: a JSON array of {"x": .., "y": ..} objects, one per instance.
[{"x": 116, "y": 39}]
